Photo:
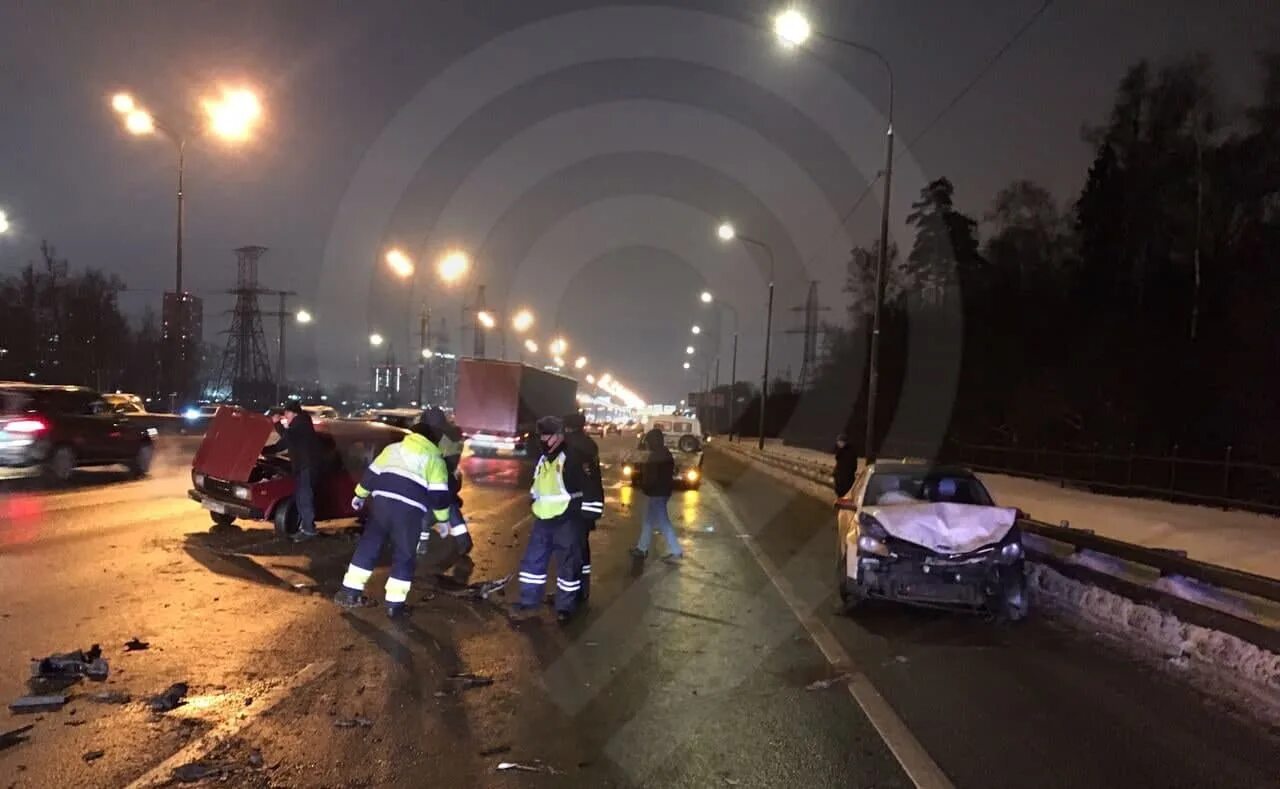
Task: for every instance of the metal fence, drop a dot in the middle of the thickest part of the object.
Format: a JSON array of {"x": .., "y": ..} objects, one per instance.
[{"x": 1221, "y": 481}]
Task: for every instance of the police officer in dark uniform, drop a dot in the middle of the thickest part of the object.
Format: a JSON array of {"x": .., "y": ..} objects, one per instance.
[{"x": 574, "y": 426}]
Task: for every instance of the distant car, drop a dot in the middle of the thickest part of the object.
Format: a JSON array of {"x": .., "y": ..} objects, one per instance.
[
  {"x": 321, "y": 411},
  {"x": 929, "y": 535},
  {"x": 232, "y": 479},
  {"x": 133, "y": 409},
  {"x": 404, "y": 418},
  {"x": 53, "y": 430},
  {"x": 679, "y": 432},
  {"x": 596, "y": 429}
]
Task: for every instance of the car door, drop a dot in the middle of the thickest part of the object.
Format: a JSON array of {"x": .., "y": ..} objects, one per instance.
[{"x": 848, "y": 508}]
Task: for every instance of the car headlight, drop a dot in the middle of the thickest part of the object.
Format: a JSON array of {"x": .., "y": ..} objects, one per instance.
[
  {"x": 869, "y": 544},
  {"x": 691, "y": 475},
  {"x": 872, "y": 536},
  {"x": 241, "y": 492},
  {"x": 627, "y": 470},
  {"x": 198, "y": 479},
  {"x": 151, "y": 431},
  {"x": 1011, "y": 552},
  {"x": 191, "y": 414}
]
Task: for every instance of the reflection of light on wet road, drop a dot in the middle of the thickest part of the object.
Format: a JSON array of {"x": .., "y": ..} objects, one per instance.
[
  {"x": 19, "y": 516},
  {"x": 495, "y": 472},
  {"x": 690, "y": 502}
]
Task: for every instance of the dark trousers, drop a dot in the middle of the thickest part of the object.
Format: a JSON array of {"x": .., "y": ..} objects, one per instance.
[
  {"x": 399, "y": 524},
  {"x": 304, "y": 498},
  {"x": 585, "y": 591},
  {"x": 559, "y": 539}
]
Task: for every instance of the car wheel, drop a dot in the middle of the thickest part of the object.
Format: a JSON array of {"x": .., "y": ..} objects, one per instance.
[
  {"x": 850, "y": 596},
  {"x": 141, "y": 462},
  {"x": 222, "y": 519},
  {"x": 1013, "y": 603},
  {"x": 286, "y": 519},
  {"x": 61, "y": 464},
  {"x": 688, "y": 443}
]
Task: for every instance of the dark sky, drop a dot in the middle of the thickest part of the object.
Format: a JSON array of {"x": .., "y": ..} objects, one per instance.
[{"x": 583, "y": 152}]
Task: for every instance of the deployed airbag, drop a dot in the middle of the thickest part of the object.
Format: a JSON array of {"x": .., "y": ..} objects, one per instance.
[{"x": 943, "y": 527}]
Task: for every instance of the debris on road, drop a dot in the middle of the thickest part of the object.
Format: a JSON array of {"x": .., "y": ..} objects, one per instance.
[
  {"x": 136, "y": 645},
  {"x": 463, "y": 681},
  {"x": 38, "y": 703},
  {"x": 14, "y": 736},
  {"x": 496, "y": 750},
  {"x": 198, "y": 771},
  {"x": 76, "y": 722},
  {"x": 536, "y": 767},
  {"x": 93, "y": 756},
  {"x": 351, "y": 723},
  {"x": 110, "y": 697},
  {"x": 255, "y": 759},
  {"x": 172, "y": 698},
  {"x": 480, "y": 590},
  {"x": 823, "y": 684},
  {"x": 77, "y": 663}
]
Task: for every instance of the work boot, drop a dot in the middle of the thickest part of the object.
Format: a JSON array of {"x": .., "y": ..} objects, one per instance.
[
  {"x": 673, "y": 558},
  {"x": 302, "y": 535},
  {"x": 397, "y": 610},
  {"x": 350, "y": 598},
  {"x": 520, "y": 611},
  {"x": 636, "y": 553},
  {"x": 564, "y": 617}
]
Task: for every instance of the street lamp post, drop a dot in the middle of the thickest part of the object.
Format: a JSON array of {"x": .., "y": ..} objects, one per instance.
[
  {"x": 708, "y": 298},
  {"x": 793, "y": 29},
  {"x": 727, "y": 232}
]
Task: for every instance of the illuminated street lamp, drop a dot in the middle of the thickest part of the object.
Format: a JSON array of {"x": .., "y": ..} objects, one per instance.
[
  {"x": 303, "y": 317},
  {"x": 453, "y": 266},
  {"x": 426, "y": 354},
  {"x": 4, "y": 222},
  {"x": 727, "y": 232},
  {"x": 696, "y": 329},
  {"x": 375, "y": 339},
  {"x": 792, "y": 28},
  {"x": 399, "y": 263},
  {"x": 689, "y": 349},
  {"x": 558, "y": 346},
  {"x": 686, "y": 365},
  {"x": 530, "y": 346},
  {"x": 580, "y": 362},
  {"x": 233, "y": 115},
  {"x": 591, "y": 379},
  {"x": 486, "y": 319},
  {"x": 522, "y": 321},
  {"x": 733, "y": 370},
  {"x": 559, "y": 362},
  {"x": 706, "y": 297}
]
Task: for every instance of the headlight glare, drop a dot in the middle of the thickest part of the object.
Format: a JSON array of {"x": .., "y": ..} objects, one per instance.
[{"x": 242, "y": 492}]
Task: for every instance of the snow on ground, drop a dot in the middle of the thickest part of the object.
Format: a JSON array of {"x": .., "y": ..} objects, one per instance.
[{"x": 1241, "y": 540}]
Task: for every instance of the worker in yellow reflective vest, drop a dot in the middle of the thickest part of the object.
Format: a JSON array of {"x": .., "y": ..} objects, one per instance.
[
  {"x": 562, "y": 480},
  {"x": 408, "y": 483}
]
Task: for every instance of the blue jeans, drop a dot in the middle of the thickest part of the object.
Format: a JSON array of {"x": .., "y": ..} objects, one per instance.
[
  {"x": 655, "y": 516},
  {"x": 304, "y": 497}
]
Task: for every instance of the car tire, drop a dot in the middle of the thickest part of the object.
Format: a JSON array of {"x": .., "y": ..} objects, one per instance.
[
  {"x": 1013, "y": 602},
  {"x": 285, "y": 519},
  {"x": 222, "y": 519},
  {"x": 688, "y": 443},
  {"x": 851, "y": 598},
  {"x": 141, "y": 463},
  {"x": 61, "y": 465}
]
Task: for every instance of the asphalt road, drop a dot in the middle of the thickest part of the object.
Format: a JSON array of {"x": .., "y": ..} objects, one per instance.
[{"x": 675, "y": 676}]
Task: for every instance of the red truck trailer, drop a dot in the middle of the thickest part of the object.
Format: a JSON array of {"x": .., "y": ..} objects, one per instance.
[{"x": 498, "y": 404}]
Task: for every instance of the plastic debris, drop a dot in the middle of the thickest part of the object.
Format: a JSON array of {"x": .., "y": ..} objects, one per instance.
[
  {"x": 14, "y": 736},
  {"x": 481, "y": 590},
  {"x": 823, "y": 684},
  {"x": 110, "y": 697},
  {"x": 198, "y": 771},
  {"x": 536, "y": 767},
  {"x": 77, "y": 722},
  {"x": 38, "y": 703},
  {"x": 93, "y": 756},
  {"x": 255, "y": 759},
  {"x": 78, "y": 663},
  {"x": 351, "y": 723},
  {"x": 171, "y": 698},
  {"x": 496, "y": 750},
  {"x": 136, "y": 645},
  {"x": 462, "y": 681}
]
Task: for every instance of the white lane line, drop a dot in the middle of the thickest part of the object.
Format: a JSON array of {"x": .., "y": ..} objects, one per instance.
[
  {"x": 919, "y": 766},
  {"x": 162, "y": 773}
]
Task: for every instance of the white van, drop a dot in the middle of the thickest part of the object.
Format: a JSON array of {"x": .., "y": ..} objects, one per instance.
[{"x": 680, "y": 432}]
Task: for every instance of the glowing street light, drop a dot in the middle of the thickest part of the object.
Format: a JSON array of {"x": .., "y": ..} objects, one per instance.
[
  {"x": 558, "y": 346},
  {"x": 706, "y": 297},
  {"x": 303, "y": 317},
  {"x": 375, "y": 339},
  {"x": 399, "y": 263},
  {"x": 696, "y": 329},
  {"x": 580, "y": 362},
  {"x": 530, "y": 346},
  {"x": 559, "y": 362},
  {"x": 123, "y": 103},
  {"x": 591, "y": 379},
  {"x": 453, "y": 266},
  {"x": 686, "y": 365},
  {"x": 4, "y": 222},
  {"x": 792, "y": 28},
  {"x": 486, "y": 319},
  {"x": 522, "y": 321},
  {"x": 605, "y": 379},
  {"x": 234, "y": 114},
  {"x": 689, "y": 349},
  {"x": 427, "y": 353},
  {"x": 726, "y": 231},
  {"x": 139, "y": 122}
]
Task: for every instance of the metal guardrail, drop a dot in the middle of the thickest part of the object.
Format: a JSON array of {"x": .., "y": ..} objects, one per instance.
[{"x": 1165, "y": 561}]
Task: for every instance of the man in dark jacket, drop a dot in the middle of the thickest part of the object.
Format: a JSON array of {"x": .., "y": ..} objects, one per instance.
[
  {"x": 298, "y": 438},
  {"x": 449, "y": 439},
  {"x": 657, "y": 482},
  {"x": 574, "y": 436},
  {"x": 846, "y": 466}
]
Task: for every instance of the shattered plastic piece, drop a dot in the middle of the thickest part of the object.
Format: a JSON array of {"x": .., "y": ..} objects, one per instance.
[
  {"x": 823, "y": 684},
  {"x": 77, "y": 722},
  {"x": 78, "y": 663},
  {"x": 496, "y": 750},
  {"x": 536, "y": 767},
  {"x": 38, "y": 703},
  {"x": 198, "y": 771},
  {"x": 255, "y": 759},
  {"x": 14, "y": 736},
  {"x": 136, "y": 645},
  {"x": 91, "y": 756},
  {"x": 171, "y": 698},
  {"x": 468, "y": 681},
  {"x": 111, "y": 697},
  {"x": 481, "y": 590},
  {"x": 351, "y": 723}
]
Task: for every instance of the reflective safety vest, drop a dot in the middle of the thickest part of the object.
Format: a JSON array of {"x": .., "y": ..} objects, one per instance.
[
  {"x": 412, "y": 472},
  {"x": 449, "y": 447},
  {"x": 550, "y": 497}
]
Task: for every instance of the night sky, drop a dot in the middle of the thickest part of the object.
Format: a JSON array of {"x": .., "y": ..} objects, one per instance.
[{"x": 582, "y": 152}]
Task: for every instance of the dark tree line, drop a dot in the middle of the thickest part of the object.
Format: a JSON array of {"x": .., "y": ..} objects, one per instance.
[
  {"x": 64, "y": 327},
  {"x": 1142, "y": 312}
]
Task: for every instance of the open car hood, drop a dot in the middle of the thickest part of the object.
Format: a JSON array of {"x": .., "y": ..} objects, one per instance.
[
  {"x": 232, "y": 444},
  {"x": 945, "y": 528}
]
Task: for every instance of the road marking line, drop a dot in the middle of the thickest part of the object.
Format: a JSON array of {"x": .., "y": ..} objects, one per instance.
[
  {"x": 162, "y": 773},
  {"x": 923, "y": 771}
]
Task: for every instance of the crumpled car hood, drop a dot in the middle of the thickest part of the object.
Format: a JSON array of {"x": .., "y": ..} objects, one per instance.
[{"x": 945, "y": 528}]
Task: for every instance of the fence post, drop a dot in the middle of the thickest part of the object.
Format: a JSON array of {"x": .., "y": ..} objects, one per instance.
[
  {"x": 1128, "y": 479},
  {"x": 1226, "y": 478},
  {"x": 1173, "y": 469}
]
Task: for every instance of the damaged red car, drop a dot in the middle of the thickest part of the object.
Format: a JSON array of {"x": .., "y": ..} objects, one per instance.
[{"x": 234, "y": 480}]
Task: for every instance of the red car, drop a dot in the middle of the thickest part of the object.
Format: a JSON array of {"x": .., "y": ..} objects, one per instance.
[{"x": 232, "y": 479}]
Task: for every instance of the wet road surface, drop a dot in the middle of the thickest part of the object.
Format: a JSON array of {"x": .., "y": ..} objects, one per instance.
[{"x": 674, "y": 676}]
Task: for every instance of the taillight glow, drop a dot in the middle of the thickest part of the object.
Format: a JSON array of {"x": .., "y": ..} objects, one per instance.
[{"x": 26, "y": 426}]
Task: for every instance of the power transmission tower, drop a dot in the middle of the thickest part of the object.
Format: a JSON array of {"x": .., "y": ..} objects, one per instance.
[
  {"x": 244, "y": 371},
  {"x": 809, "y": 361}
]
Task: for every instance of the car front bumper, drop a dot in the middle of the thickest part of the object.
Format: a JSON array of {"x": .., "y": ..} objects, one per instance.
[
  {"x": 930, "y": 582},
  {"x": 223, "y": 506}
]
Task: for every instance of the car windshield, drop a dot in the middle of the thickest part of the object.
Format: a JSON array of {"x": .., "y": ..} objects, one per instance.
[
  {"x": 57, "y": 401},
  {"x": 899, "y": 487}
]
